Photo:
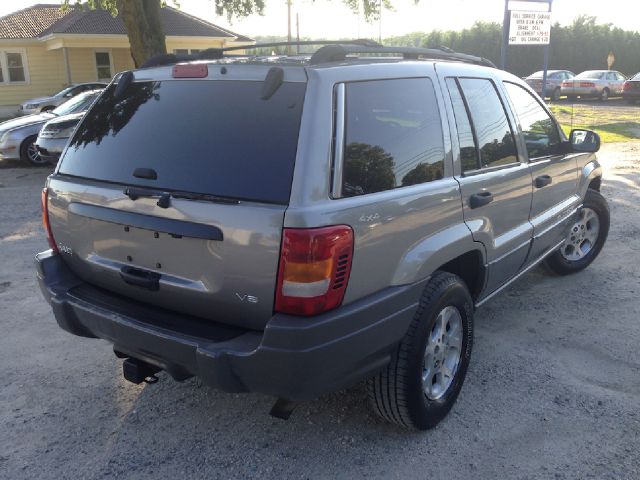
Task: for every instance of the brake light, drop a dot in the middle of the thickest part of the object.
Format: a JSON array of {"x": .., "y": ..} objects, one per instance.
[
  {"x": 314, "y": 269},
  {"x": 190, "y": 70},
  {"x": 45, "y": 219},
  {"x": 626, "y": 87},
  {"x": 587, "y": 84},
  {"x": 565, "y": 84}
]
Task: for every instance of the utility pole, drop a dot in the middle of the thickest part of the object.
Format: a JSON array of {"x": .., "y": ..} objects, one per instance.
[
  {"x": 298, "y": 33},
  {"x": 289, "y": 26},
  {"x": 380, "y": 24}
]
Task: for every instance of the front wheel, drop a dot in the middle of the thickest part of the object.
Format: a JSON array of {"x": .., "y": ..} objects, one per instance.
[
  {"x": 586, "y": 237},
  {"x": 422, "y": 382},
  {"x": 29, "y": 152},
  {"x": 604, "y": 96}
]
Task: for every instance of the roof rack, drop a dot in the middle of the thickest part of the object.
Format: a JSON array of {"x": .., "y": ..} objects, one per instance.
[{"x": 330, "y": 51}]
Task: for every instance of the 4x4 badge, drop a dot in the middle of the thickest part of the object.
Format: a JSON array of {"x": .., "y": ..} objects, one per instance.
[{"x": 64, "y": 249}]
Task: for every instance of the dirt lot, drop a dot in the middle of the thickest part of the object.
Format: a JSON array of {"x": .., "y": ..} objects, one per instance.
[{"x": 553, "y": 390}]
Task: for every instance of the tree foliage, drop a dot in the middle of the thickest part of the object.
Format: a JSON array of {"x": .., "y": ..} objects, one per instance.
[{"x": 583, "y": 45}]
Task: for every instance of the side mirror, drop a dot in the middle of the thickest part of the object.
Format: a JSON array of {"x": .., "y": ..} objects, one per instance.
[{"x": 584, "y": 141}]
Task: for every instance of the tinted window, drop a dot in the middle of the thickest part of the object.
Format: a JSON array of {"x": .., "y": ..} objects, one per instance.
[
  {"x": 468, "y": 149},
  {"x": 539, "y": 129},
  {"x": 492, "y": 129},
  {"x": 393, "y": 136},
  {"x": 211, "y": 137}
]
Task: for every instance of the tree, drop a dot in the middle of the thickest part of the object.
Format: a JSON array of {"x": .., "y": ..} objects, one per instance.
[{"x": 142, "y": 21}]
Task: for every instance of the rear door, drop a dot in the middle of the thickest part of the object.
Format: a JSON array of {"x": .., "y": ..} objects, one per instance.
[
  {"x": 555, "y": 174},
  {"x": 174, "y": 193},
  {"x": 495, "y": 184}
]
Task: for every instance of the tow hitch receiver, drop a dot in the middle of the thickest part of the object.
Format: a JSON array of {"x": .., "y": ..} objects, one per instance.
[{"x": 137, "y": 371}]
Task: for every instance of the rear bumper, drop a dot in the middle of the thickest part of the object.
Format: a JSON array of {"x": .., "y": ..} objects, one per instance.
[{"x": 294, "y": 358}]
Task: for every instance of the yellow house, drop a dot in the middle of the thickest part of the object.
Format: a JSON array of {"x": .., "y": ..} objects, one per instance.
[{"x": 44, "y": 49}]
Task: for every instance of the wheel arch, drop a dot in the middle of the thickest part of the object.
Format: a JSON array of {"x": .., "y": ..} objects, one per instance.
[{"x": 452, "y": 250}]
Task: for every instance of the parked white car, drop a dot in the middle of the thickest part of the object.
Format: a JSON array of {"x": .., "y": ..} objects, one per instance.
[{"x": 44, "y": 104}]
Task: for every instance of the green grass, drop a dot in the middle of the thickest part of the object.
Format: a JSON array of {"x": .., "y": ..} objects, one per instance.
[{"x": 612, "y": 123}]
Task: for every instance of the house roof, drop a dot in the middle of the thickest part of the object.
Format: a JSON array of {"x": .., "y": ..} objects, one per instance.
[{"x": 45, "y": 19}]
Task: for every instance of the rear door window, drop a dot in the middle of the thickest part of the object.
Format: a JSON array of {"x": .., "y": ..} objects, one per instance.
[
  {"x": 491, "y": 126},
  {"x": 393, "y": 135},
  {"x": 211, "y": 137}
]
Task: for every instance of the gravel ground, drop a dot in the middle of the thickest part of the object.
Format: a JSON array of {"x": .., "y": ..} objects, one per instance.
[{"x": 553, "y": 390}]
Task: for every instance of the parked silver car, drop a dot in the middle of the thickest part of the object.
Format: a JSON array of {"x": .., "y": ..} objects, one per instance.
[
  {"x": 54, "y": 135},
  {"x": 554, "y": 82},
  {"x": 18, "y": 136},
  {"x": 600, "y": 84},
  {"x": 43, "y": 104}
]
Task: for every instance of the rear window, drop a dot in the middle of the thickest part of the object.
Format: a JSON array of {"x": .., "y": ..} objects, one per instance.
[
  {"x": 590, "y": 75},
  {"x": 212, "y": 137}
]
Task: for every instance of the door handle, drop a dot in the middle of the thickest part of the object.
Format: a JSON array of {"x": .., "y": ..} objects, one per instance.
[
  {"x": 542, "y": 181},
  {"x": 140, "y": 278},
  {"x": 480, "y": 199}
]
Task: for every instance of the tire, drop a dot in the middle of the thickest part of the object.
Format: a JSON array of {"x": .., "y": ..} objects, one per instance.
[
  {"x": 28, "y": 153},
  {"x": 555, "y": 95},
  {"x": 567, "y": 259},
  {"x": 572, "y": 98},
  {"x": 604, "y": 96},
  {"x": 398, "y": 393}
]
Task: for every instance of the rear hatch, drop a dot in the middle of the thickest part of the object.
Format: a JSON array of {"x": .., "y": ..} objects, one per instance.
[{"x": 172, "y": 191}]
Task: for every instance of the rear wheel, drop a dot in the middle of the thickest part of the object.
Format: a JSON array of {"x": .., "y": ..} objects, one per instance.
[
  {"x": 585, "y": 239},
  {"x": 604, "y": 96},
  {"x": 422, "y": 382},
  {"x": 29, "y": 152},
  {"x": 555, "y": 95}
]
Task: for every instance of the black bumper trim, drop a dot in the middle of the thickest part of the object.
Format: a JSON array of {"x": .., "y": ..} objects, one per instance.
[{"x": 294, "y": 358}]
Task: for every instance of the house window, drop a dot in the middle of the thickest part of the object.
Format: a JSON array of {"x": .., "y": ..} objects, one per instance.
[
  {"x": 104, "y": 65},
  {"x": 13, "y": 66}
]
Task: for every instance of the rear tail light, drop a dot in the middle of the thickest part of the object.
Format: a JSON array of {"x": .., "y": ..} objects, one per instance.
[
  {"x": 314, "y": 269},
  {"x": 565, "y": 84},
  {"x": 587, "y": 84},
  {"x": 626, "y": 87},
  {"x": 45, "y": 219}
]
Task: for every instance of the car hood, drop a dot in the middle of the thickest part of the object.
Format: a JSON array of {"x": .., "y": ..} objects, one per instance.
[
  {"x": 26, "y": 121},
  {"x": 38, "y": 100},
  {"x": 71, "y": 118}
]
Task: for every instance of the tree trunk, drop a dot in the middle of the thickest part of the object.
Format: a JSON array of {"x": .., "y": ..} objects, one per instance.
[{"x": 142, "y": 21}]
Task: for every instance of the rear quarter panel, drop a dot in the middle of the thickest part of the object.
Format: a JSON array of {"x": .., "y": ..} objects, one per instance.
[{"x": 401, "y": 235}]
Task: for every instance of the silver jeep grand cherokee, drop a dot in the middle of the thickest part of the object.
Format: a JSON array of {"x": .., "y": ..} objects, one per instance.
[{"x": 292, "y": 225}]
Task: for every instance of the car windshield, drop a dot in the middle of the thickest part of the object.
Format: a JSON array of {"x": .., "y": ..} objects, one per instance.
[
  {"x": 64, "y": 92},
  {"x": 590, "y": 75},
  {"x": 76, "y": 104},
  {"x": 635, "y": 77}
]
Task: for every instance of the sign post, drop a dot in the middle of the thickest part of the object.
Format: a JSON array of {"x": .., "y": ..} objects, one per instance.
[{"x": 527, "y": 28}]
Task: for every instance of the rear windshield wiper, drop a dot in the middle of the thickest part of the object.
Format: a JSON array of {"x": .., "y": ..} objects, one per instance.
[{"x": 164, "y": 198}]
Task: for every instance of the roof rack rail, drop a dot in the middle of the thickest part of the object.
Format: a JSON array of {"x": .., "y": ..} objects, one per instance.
[
  {"x": 334, "y": 53},
  {"x": 330, "y": 51},
  {"x": 218, "y": 53}
]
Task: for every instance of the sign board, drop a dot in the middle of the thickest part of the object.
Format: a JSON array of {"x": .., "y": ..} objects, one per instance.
[{"x": 529, "y": 28}]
